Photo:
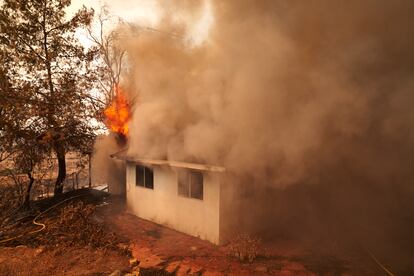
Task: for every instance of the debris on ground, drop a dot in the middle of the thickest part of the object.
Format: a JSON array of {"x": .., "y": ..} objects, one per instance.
[{"x": 66, "y": 221}]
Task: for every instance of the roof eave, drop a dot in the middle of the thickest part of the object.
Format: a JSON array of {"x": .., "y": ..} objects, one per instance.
[{"x": 174, "y": 164}]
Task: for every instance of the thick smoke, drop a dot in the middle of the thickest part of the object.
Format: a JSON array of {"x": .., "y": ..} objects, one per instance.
[
  {"x": 310, "y": 101},
  {"x": 280, "y": 87},
  {"x": 106, "y": 170}
]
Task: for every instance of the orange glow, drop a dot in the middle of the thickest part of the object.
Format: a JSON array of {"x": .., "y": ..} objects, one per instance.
[{"x": 118, "y": 113}]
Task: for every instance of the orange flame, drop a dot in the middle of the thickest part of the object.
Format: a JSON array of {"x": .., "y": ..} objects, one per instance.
[{"x": 118, "y": 113}]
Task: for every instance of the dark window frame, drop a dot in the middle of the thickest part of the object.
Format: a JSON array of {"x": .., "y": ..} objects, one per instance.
[
  {"x": 144, "y": 177},
  {"x": 188, "y": 182}
]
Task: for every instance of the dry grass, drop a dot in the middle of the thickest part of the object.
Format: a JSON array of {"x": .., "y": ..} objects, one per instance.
[
  {"x": 10, "y": 199},
  {"x": 76, "y": 225}
]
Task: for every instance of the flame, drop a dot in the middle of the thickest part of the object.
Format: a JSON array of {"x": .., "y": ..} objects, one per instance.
[{"x": 118, "y": 113}]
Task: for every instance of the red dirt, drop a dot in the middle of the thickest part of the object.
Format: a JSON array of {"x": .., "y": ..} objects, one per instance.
[
  {"x": 158, "y": 247},
  {"x": 24, "y": 261}
]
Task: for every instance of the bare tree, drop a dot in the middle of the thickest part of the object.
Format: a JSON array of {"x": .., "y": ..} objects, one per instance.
[{"x": 106, "y": 43}]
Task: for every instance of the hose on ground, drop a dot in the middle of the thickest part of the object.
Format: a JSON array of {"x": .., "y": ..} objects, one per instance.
[
  {"x": 386, "y": 270},
  {"x": 35, "y": 222}
]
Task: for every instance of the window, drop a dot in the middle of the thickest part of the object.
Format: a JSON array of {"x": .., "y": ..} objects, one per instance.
[
  {"x": 144, "y": 177},
  {"x": 190, "y": 184}
]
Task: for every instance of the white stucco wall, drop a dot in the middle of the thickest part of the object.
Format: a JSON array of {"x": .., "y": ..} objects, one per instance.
[{"x": 163, "y": 205}]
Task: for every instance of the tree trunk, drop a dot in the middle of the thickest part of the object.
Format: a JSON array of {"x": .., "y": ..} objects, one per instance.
[
  {"x": 26, "y": 201},
  {"x": 60, "y": 153}
]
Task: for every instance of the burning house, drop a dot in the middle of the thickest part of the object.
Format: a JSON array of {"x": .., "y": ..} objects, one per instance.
[{"x": 180, "y": 195}]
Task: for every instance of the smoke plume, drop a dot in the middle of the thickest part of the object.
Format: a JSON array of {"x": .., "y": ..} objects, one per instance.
[
  {"x": 309, "y": 103},
  {"x": 279, "y": 88},
  {"x": 106, "y": 170}
]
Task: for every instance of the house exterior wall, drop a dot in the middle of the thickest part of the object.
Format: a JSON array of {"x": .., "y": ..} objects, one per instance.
[{"x": 163, "y": 205}]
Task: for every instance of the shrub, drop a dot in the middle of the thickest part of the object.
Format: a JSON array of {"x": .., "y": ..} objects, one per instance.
[{"x": 245, "y": 247}]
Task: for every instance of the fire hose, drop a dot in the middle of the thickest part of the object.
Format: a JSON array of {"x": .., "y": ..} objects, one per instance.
[
  {"x": 35, "y": 222},
  {"x": 386, "y": 270}
]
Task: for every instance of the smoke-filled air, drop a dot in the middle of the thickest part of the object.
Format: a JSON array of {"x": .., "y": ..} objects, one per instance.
[
  {"x": 279, "y": 91},
  {"x": 311, "y": 100}
]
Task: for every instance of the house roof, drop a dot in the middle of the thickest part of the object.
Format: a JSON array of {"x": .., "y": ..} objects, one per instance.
[{"x": 122, "y": 155}]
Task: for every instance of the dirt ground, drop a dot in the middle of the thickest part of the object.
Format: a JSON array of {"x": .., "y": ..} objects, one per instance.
[
  {"x": 161, "y": 251},
  {"x": 61, "y": 261},
  {"x": 161, "y": 248}
]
